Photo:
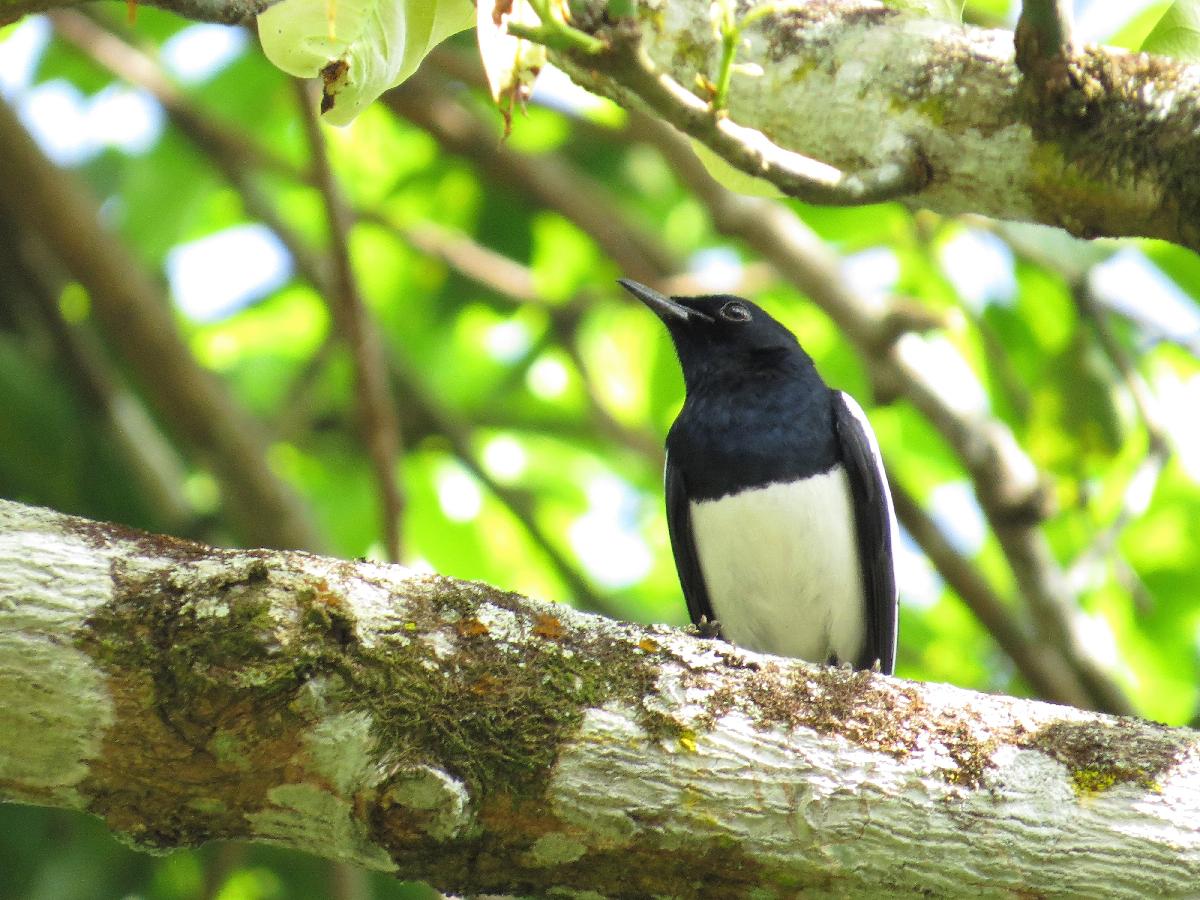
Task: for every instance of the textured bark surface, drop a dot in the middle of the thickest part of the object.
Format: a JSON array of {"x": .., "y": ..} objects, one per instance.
[
  {"x": 486, "y": 742},
  {"x": 1111, "y": 147}
]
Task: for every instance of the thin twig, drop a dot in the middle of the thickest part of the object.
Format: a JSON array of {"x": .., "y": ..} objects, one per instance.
[{"x": 378, "y": 422}]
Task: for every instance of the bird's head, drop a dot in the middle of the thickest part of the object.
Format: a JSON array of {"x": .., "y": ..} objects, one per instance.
[{"x": 721, "y": 334}]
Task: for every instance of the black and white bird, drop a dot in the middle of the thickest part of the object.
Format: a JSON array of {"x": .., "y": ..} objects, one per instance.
[{"x": 780, "y": 516}]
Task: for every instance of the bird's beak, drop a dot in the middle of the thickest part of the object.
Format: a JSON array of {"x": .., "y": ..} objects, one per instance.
[{"x": 662, "y": 306}]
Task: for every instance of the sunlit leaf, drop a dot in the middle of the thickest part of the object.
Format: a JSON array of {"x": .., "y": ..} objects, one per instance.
[
  {"x": 359, "y": 48},
  {"x": 1177, "y": 33},
  {"x": 1132, "y": 35}
]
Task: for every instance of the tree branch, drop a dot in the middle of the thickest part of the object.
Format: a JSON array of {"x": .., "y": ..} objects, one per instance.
[
  {"x": 750, "y": 150},
  {"x": 484, "y": 742},
  {"x": 856, "y": 84},
  {"x": 378, "y": 422}
]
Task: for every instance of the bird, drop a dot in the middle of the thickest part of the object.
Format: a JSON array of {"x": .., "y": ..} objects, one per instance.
[{"x": 778, "y": 507}]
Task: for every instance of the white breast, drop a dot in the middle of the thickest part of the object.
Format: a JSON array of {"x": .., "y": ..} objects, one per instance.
[{"x": 781, "y": 567}]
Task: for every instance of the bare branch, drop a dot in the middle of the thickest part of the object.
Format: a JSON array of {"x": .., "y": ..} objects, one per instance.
[{"x": 376, "y": 407}]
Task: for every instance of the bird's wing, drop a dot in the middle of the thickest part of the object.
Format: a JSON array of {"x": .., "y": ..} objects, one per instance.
[
  {"x": 687, "y": 562},
  {"x": 875, "y": 523}
]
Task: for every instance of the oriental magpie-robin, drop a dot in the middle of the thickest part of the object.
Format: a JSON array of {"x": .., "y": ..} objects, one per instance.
[{"x": 779, "y": 512}]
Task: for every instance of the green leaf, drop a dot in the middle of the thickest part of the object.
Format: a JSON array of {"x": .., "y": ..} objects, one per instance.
[
  {"x": 1133, "y": 33},
  {"x": 1177, "y": 33},
  {"x": 360, "y": 48}
]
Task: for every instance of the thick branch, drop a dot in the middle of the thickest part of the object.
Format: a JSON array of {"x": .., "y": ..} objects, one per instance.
[
  {"x": 1110, "y": 151},
  {"x": 749, "y": 150},
  {"x": 485, "y": 742}
]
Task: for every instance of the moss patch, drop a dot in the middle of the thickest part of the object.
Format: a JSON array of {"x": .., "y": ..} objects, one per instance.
[
  {"x": 1101, "y": 755},
  {"x": 1108, "y": 115},
  {"x": 492, "y": 719},
  {"x": 201, "y": 694},
  {"x": 216, "y": 693}
]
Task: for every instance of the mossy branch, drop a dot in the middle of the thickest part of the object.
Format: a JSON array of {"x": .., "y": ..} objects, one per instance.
[
  {"x": 488, "y": 743},
  {"x": 751, "y": 151},
  {"x": 1096, "y": 141}
]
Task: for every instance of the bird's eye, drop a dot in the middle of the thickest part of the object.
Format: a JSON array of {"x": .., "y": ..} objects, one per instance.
[{"x": 735, "y": 312}]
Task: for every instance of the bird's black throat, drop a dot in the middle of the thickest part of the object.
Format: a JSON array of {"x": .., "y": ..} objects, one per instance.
[{"x": 749, "y": 425}]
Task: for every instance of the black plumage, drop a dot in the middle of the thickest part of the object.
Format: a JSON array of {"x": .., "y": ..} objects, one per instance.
[{"x": 775, "y": 491}]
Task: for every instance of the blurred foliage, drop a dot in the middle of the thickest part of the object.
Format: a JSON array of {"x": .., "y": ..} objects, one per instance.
[{"x": 541, "y": 397}]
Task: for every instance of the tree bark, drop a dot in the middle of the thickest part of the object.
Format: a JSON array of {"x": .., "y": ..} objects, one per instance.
[
  {"x": 1108, "y": 147},
  {"x": 485, "y": 742}
]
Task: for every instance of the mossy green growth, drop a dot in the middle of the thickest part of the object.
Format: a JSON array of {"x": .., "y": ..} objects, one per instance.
[
  {"x": 204, "y": 670},
  {"x": 491, "y": 716},
  {"x": 1101, "y": 755},
  {"x": 200, "y": 692}
]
